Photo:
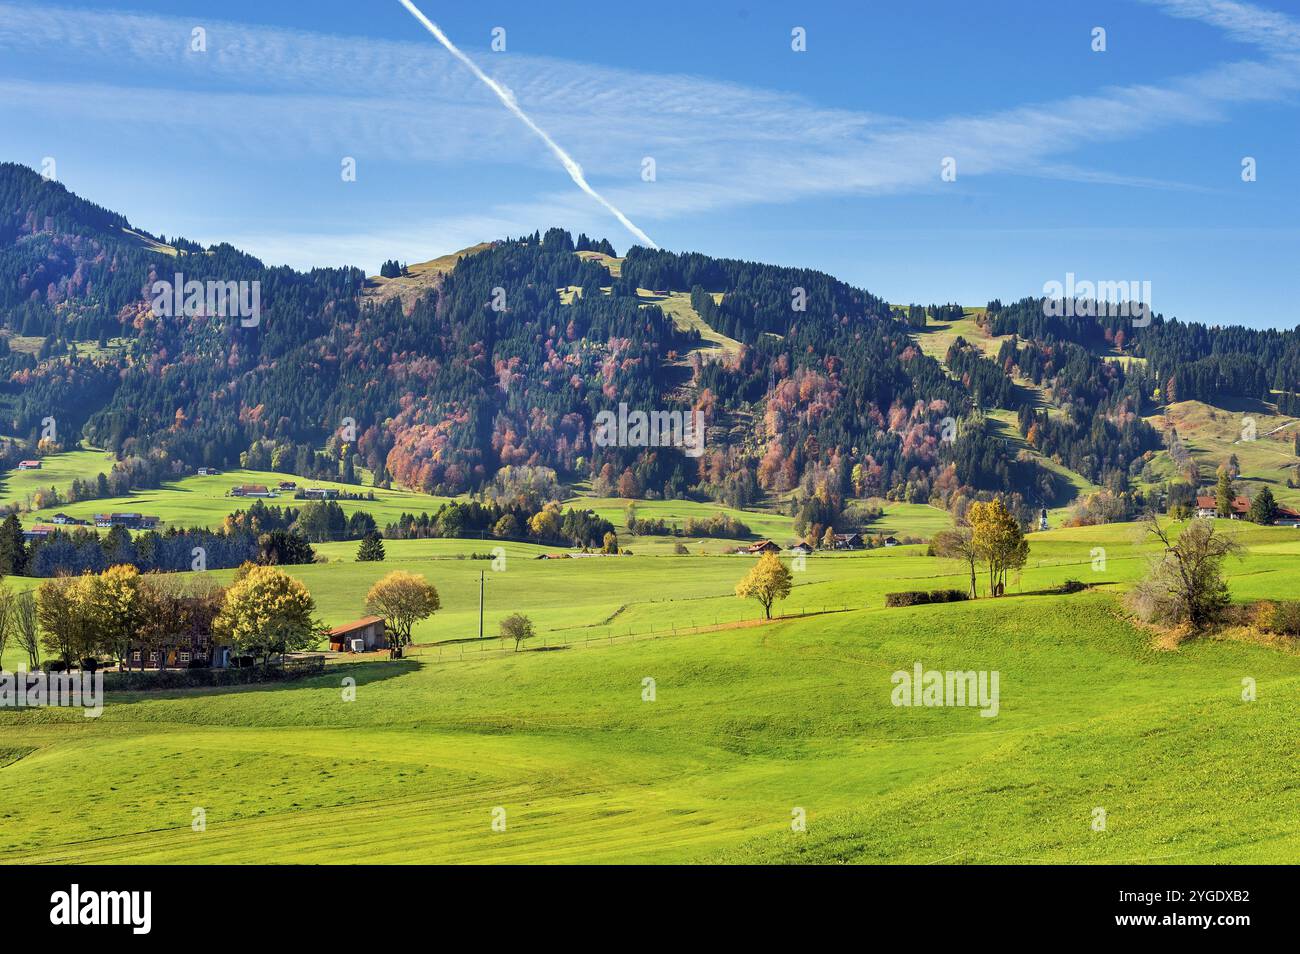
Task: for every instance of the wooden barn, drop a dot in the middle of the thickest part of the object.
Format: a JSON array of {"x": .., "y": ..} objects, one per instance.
[{"x": 369, "y": 629}]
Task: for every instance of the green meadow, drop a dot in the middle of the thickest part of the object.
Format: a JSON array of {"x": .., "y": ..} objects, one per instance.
[
  {"x": 1266, "y": 454},
  {"x": 194, "y": 501},
  {"x": 57, "y": 471},
  {"x": 204, "y": 502},
  {"x": 751, "y": 724}
]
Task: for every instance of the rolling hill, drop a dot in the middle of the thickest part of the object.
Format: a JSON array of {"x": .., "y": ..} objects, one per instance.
[{"x": 747, "y": 725}]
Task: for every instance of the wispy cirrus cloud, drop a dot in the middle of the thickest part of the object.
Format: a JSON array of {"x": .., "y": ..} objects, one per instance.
[
  {"x": 717, "y": 145},
  {"x": 1244, "y": 22}
]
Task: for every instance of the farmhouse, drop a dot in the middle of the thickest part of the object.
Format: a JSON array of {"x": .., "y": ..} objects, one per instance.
[
  {"x": 131, "y": 521},
  {"x": 801, "y": 548},
  {"x": 366, "y": 633},
  {"x": 1209, "y": 507},
  {"x": 321, "y": 493},
  {"x": 1287, "y": 517},
  {"x": 29, "y": 465},
  {"x": 38, "y": 531},
  {"x": 184, "y": 651},
  {"x": 762, "y": 546},
  {"x": 192, "y": 647},
  {"x": 288, "y": 485},
  {"x": 848, "y": 541},
  {"x": 62, "y": 519},
  {"x": 209, "y": 472},
  {"x": 891, "y": 542},
  {"x": 251, "y": 490}
]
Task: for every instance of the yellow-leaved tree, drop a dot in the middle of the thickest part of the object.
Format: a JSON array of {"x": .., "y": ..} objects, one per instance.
[
  {"x": 998, "y": 540},
  {"x": 269, "y": 611},
  {"x": 402, "y": 599},
  {"x": 767, "y": 582},
  {"x": 63, "y": 625},
  {"x": 545, "y": 524},
  {"x": 115, "y": 607}
]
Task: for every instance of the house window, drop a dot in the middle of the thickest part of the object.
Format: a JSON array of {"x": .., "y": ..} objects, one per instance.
[
  {"x": 135, "y": 656},
  {"x": 153, "y": 656},
  {"x": 185, "y": 657}
]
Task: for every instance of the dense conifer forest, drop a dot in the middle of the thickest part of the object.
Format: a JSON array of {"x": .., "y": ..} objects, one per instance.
[{"x": 503, "y": 366}]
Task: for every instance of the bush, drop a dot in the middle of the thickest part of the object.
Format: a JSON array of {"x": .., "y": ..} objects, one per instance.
[
  {"x": 1186, "y": 584},
  {"x": 1072, "y": 586},
  {"x": 948, "y": 596},
  {"x": 198, "y": 677},
  {"x": 907, "y": 598},
  {"x": 1284, "y": 618},
  {"x": 920, "y": 597},
  {"x": 53, "y": 665}
]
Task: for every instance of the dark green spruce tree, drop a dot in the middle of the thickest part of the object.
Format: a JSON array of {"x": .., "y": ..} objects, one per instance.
[
  {"x": 371, "y": 549},
  {"x": 13, "y": 549}
]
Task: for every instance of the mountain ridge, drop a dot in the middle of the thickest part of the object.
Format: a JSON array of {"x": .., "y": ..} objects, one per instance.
[{"x": 501, "y": 355}]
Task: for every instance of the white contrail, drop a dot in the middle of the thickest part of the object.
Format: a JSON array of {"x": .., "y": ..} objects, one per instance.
[{"x": 508, "y": 98}]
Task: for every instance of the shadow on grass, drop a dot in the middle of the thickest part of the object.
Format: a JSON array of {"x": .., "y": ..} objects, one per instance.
[
  {"x": 1052, "y": 591},
  {"x": 364, "y": 673}
]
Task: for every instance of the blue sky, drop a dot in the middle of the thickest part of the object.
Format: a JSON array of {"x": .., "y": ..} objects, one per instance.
[{"x": 1123, "y": 164}]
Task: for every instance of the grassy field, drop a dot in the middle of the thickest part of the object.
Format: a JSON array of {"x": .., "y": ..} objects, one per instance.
[
  {"x": 677, "y": 305},
  {"x": 57, "y": 471},
  {"x": 419, "y": 279},
  {"x": 202, "y": 501},
  {"x": 938, "y": 337},
  {"x": 748, "y": 724},
  {"x": 615, "y": 265},
  {"x": 1213, "y": 434}
]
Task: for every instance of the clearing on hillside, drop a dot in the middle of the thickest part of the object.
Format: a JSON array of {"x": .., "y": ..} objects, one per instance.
[{"x": 419, "y": 280}]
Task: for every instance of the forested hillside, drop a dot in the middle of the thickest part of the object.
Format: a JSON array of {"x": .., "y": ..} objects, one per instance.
[
  {"x": 507, "y": 359},
  {"x": 1186, "y": 362}
]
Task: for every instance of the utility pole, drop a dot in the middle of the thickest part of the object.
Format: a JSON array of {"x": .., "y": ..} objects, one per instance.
[{"x": 481, "y": 578}]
